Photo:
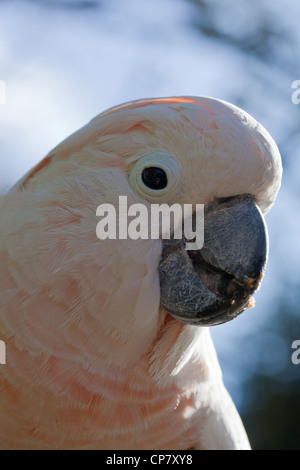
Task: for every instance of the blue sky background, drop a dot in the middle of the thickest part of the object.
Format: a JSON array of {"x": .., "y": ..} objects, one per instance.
[{"x": 63, "y": 62}]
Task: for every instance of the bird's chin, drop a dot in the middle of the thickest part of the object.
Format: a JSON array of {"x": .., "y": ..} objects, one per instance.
[{"x": 215, "y": 284}]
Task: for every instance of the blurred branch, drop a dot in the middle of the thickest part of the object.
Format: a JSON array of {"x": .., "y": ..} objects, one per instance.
[
  {"x": 266, "y": 38},
  {"x": 271, "y": 407},
  {"x": 70, "y": 4},
  {"x": 274, "y": 424}
]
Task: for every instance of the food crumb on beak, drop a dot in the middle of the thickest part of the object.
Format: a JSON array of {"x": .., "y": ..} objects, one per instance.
[{"x": 250, "y": 281}]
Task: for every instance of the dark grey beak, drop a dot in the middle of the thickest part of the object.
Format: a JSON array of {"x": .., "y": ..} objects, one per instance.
[{"x": 215, "y": 284}]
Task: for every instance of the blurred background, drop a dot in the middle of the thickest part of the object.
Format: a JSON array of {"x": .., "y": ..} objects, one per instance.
[{"x": 64, "y": 61}]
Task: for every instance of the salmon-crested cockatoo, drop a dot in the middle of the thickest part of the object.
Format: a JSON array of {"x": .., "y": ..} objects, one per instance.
[{"x": 107, "y": 340}]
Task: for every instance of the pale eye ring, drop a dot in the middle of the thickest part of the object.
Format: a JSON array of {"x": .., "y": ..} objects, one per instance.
[{"x": 157, "y": 177}]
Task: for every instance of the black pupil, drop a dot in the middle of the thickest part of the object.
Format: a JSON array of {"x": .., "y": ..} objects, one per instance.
[{"x": 154, "y": 178}]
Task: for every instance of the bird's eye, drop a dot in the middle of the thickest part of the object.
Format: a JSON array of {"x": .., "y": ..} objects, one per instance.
[{"x": 154, "y": 178}]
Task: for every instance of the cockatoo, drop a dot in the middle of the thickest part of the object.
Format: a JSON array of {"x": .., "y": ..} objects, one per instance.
[{"x": 107, "y": 340}]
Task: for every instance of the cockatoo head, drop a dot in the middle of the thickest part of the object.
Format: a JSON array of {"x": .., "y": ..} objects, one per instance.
[{"x": 188, "y": 150}]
